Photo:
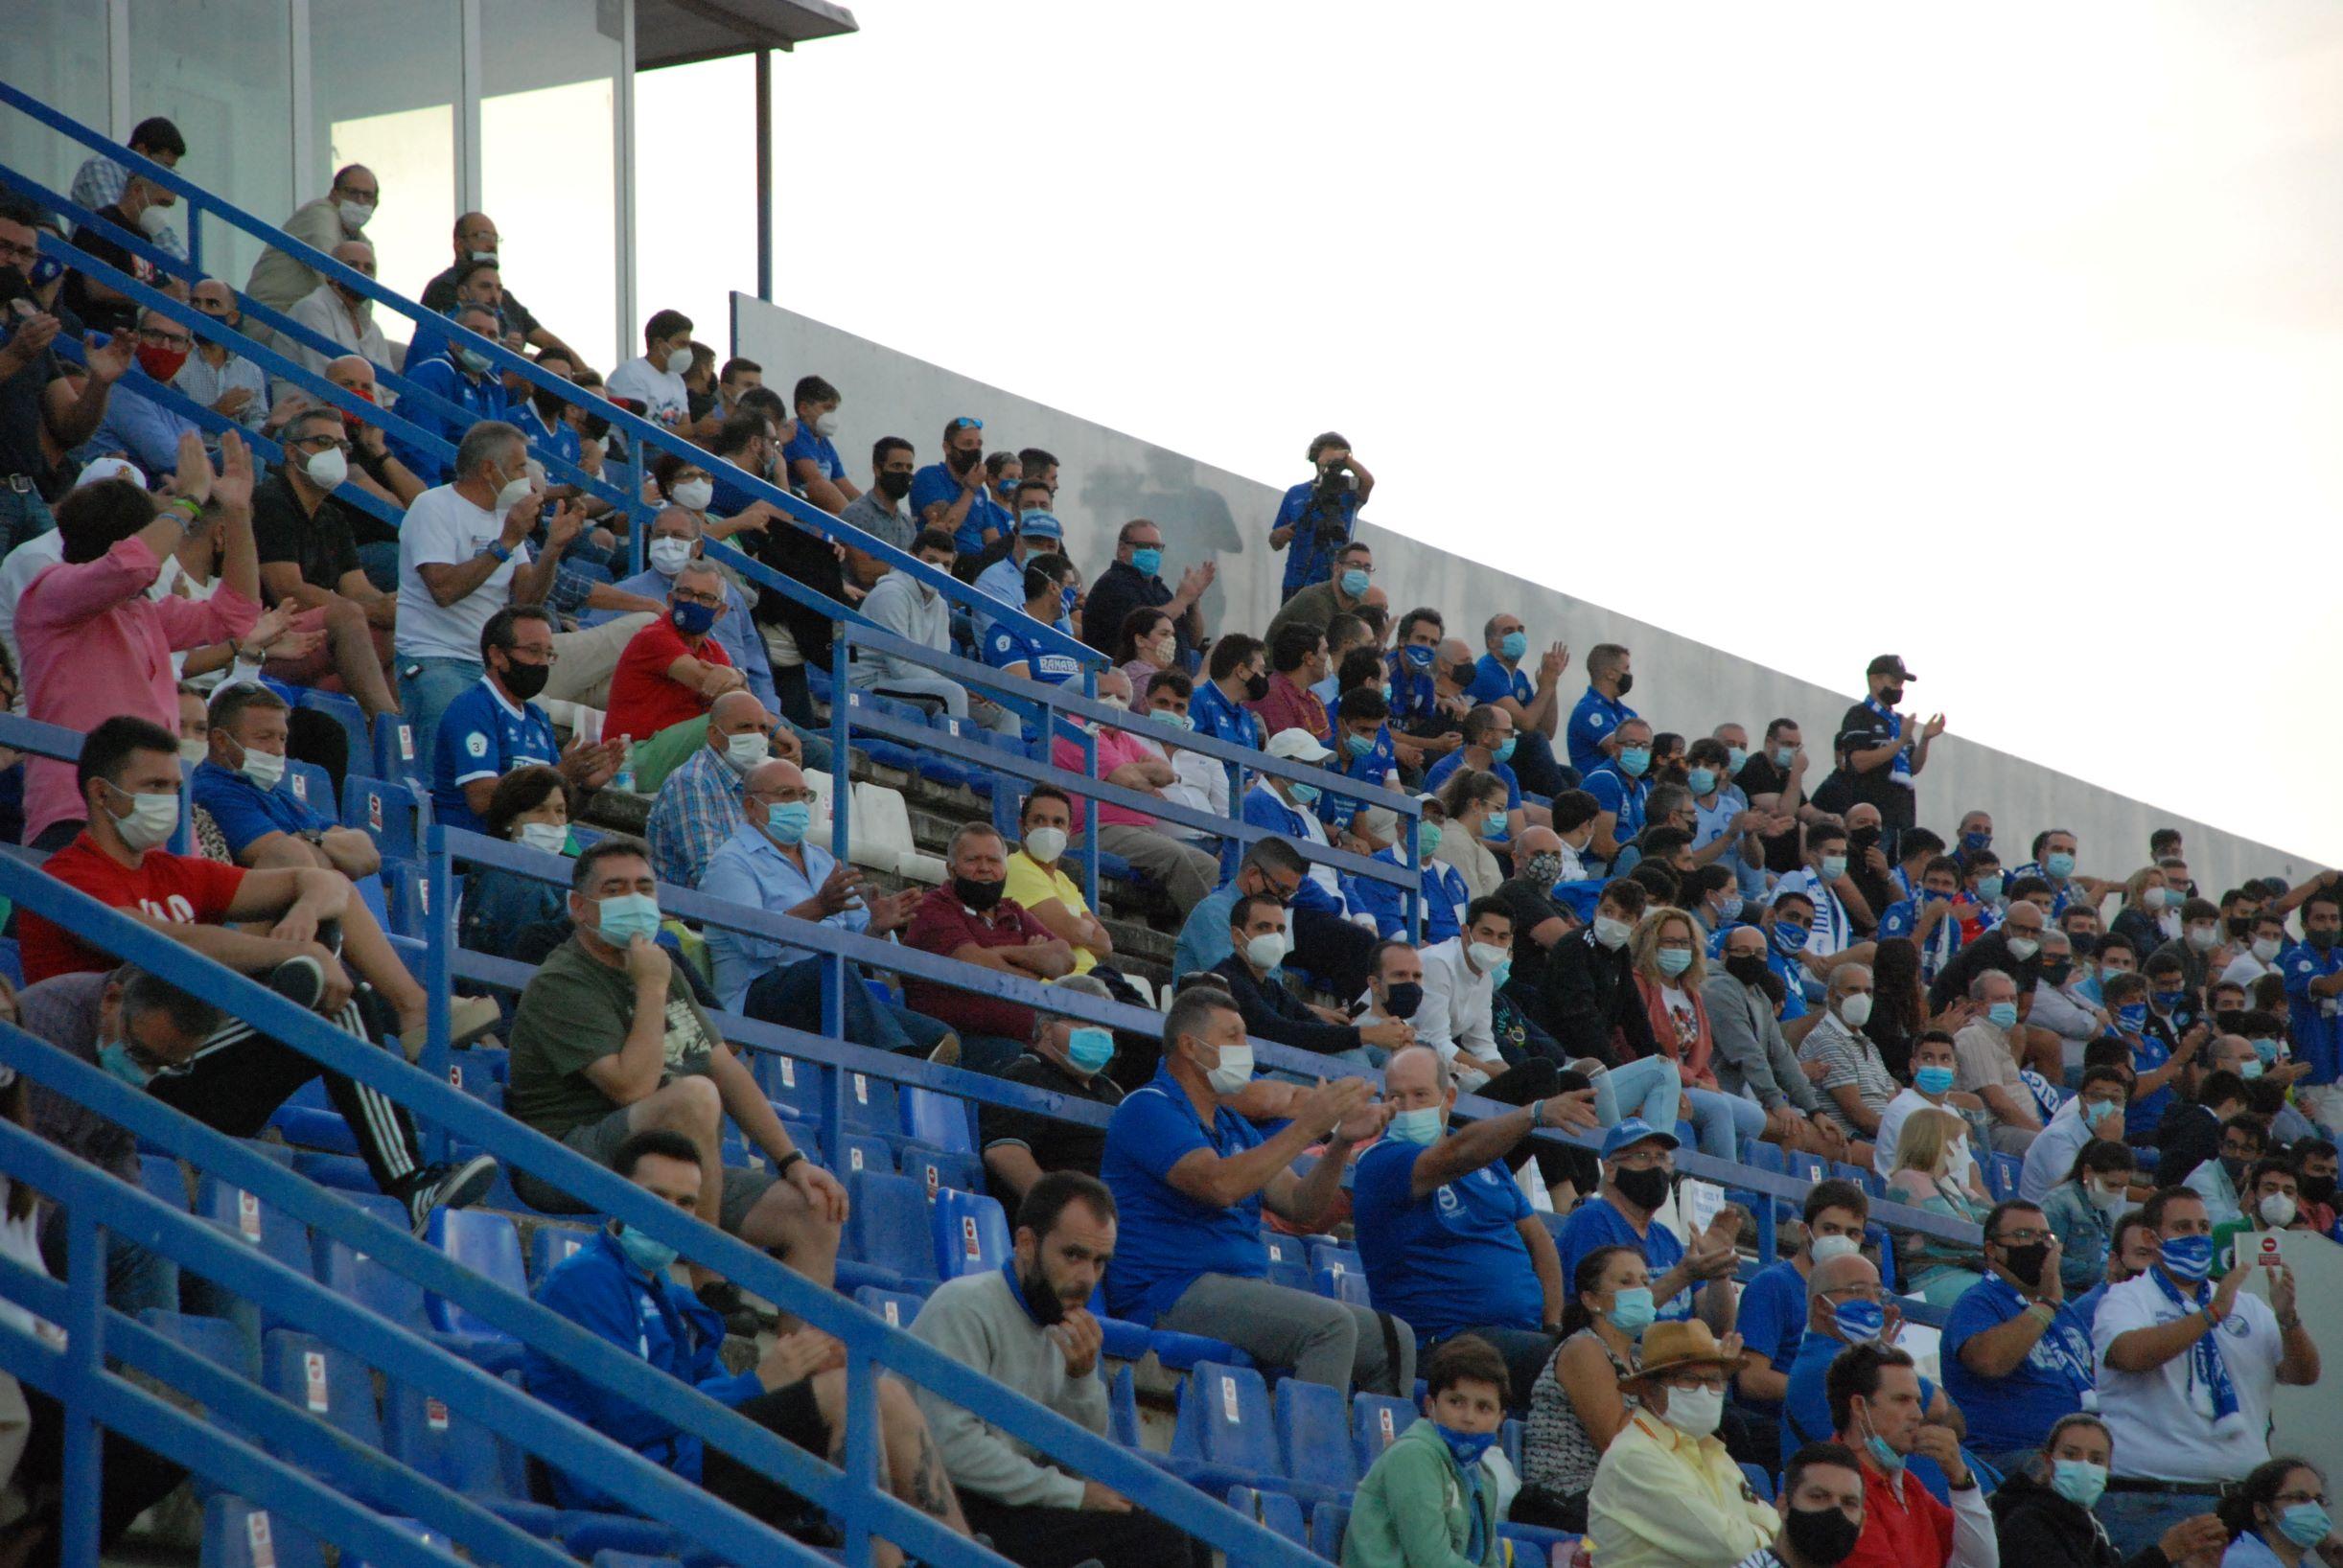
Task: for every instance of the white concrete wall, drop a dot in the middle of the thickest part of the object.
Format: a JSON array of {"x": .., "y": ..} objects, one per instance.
[{"x": 1109, "y": 478}]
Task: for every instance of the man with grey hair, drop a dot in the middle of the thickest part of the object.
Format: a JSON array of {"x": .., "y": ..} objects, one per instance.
[
  {"x": 1069, "y": 1056},
  {"x": 1987, "y": 1066},
  {"x": 1853, "y": 1076},
  {"x": 339, "y": 313},
  {"x": 676, "y": 540},
  {"x": 460, "y": 373},
  {"x": 463, "y": 555},
  {"x": 279, "y": 278},
  {"x": 307, "y": 539},
  {"x": 675, "y": 667},
  {"x": 136, "y": 426}
]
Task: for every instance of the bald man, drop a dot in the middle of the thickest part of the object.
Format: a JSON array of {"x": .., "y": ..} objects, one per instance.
[
  {"x": 340, "y": 315},
  {"x": 698, "y": 802},
  {"x": 376, "y": 470},
  {"x": 227, "y": 384},
  {"x": 476, "y": 239},
  {"x": 1845, "y": 1305}
]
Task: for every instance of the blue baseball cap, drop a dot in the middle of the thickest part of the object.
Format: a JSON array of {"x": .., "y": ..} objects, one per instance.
[
  {"x": 1042, "y": 525},
  {"x": 1633, "y": 1130}
]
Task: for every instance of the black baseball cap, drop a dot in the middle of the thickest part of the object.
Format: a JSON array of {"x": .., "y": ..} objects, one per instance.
[{"x": 1891, "y": 664}]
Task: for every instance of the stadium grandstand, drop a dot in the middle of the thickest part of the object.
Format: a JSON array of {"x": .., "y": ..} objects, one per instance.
[{"x": 592, "y": 977}]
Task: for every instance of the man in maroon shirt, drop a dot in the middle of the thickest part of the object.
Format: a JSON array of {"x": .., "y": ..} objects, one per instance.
[
  {"x": 1298, "y": 661},
  {"x": 967, "y": 920}
]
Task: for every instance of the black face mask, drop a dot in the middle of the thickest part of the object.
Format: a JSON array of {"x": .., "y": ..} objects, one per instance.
[
  {"x": 979, "y": 896},
  {"x": 2235, "y": 1166},
  {"x": 1862, "y": 838},
  {"x": 2316, "y": 1188},
  {"x": 1041, "y": 1303},
  {"x": 1891, "y": 695},
  {"x": 963, "y": 461},
  {"x": 2057, "y": 973},
  {"x": 549, "y": 405},
  {"x": 1256, "y": 687},
  {"x": 1644, "y": 1188},
  {"x": 1822, "y": 1536},
  {"x": 525, "y": 680},
  {"x": 1404, "y": 998},
  {"x": 1749, "y": 968},
  {"x": 2026, "y": 1262},
  {"x": 1625, "y": 684},
  {"x": 893, "y": 485},
  {"x": 2238, "y": 927}
]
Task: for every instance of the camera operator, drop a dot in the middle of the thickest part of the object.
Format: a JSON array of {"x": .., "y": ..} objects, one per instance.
[{"x": 1316, "y": 517}]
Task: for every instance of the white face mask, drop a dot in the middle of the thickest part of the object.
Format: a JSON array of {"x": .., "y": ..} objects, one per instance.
[
  {"x": 1267, "y": 950},
  {"x": 1855, "y": 1011},
  {"x": 550, "y": 836},
  {"x": 354, "y": 214},
  {"x": 1609, "y": 932},
  {"x": 153, "y": 819},
  {"x": 1694, "y": 1412},
  {"x": 1046, "y": 844},
  {"x": 195, "y": 750},
  {"x": 2203, "y": 938},
  {"x": 2265, "y": 948},
  {"x": 513, "y": 492},
  {"x": 694, "y": 494},
  {"x": 327, "y": 468},
  {"x": 1235, "y": 1072},
  {"x": 154, "y": 221},
  {"x": 826, "y": 426},
  {"x": 2109, "y": 1200},
  {"x": 669, "y": 555},
  {"x": 746, "y": 749},
  {"x": 1824, "y": 1249},
  {"x": 1486, "y": 955},
  {"x": 262, "y": 767},
  {"x": 2023, "y": 948},
  {"x": 2276, "y": 1211},
  {"x": 679, "y": 360}
]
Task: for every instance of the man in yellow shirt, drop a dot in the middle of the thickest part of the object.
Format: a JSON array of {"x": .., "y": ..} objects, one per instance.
[
  {"x": 1667, "y": 1494},
  {"x": 1039, "y": 881}
]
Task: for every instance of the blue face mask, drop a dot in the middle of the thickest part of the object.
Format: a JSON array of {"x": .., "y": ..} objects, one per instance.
[
  {"x": 115, "y": 1057},
  {"x": 2188, "y": 1258},
  {"x": 1788, "y": 938},
  {"x": 1735, "y": 757},
  {"x": 1885, "y": 1457},
  {"x": 473, "y": 360},
  {"x": 1065, "y": 599},
  {"x": 654, "y": 1257},
  {"x": 2097, "y": 1111},
  {"x": 1860, "y": 1322},
  {"x": 1385, "y": 690},
  {"x": 1990, "y": 888},
  {"x": 1355, "y": 583},
  {"x": 1492, "y": 824},
  {"x": 692, "y": 620},
  {"x": 1675, "y": 960},
  {"x": 1427, "y": 838},
  {"x": 1090, "y": 1048},
  {"x": 1465, "y": 1448},
  {"x": 2305, "y": 1524},
  {"x": 1420, "y": 1126},
  {"x": 1358, "y": 746},
  {"x": 1147, "y": 560},
  {"x": 1416, "y": 654},
  {"x": 2058, "y": 864},
  {"x": 2131, "y": 1015},
  {"x": 1503, "y": 753},
  {"x": 1976, "y": 843},
  {"x": 1783, "y": 756},
  {"x": 625, "y": 916},
  {"x": 1632, "y": 1310},
  {"x": 1701, "y": 780},
  {"x": 1730, "y": 909},
  {"x": 2078, "y": 1481},
  {"x": 1932, "y": 1080},
  {"x": 788, "y": 820},
  {"x": 2266, "y": 1050},
  {"x": 1516, "y": 644},
  {"x": 1035, "y": 514},
  {"x": 1634, "y": 759},
  {"x": 2002, "y": 1015},
  {"x": 2168, "y": 999}
]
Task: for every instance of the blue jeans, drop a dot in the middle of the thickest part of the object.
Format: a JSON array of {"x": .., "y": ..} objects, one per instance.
[
  {"x": 426, "y": 688},
  {"x": 23, "y": 516},
  {"x": 1536, "y": 765},
  {"x": 379, "y": 559},
  {"x": 792, "y": 997},
  {"x": 2136, "y": 1520},
  {"x": 1646, "y": 1088},
  {"x": 1723, "y": 1120}
]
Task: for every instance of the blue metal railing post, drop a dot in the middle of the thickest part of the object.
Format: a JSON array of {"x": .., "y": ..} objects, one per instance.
[
  {"x": 834, "y": 979},
  {"x": 638, "y": 530},
  {"x": 861, "y": 1460},
  {"x": 1410, "y": 827},
  {"x": 438, "y": 887},
  {"x": 86, "y": 1344}
]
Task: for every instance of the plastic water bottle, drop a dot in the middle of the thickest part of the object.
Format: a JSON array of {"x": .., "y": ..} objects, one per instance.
[{"x": 624, "y": 777}]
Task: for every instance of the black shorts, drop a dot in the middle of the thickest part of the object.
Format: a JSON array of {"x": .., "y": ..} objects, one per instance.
[{"x": 790, "y": 1413}]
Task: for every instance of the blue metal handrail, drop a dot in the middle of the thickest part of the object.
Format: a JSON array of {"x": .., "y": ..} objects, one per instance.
[
  {"x": 869, "y": 1343},
  {"x": 640, "y": 431}
]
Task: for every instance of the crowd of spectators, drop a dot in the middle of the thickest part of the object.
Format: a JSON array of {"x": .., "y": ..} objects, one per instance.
[{"x": 1588, "y": 924}]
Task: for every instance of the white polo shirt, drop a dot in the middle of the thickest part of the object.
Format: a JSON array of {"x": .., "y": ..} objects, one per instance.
[
  {"x": 1458, "y": 1009},
  {"x": 661, "y": 391},
  {"x": 1891, "y": 1128},
  {"x": 2159, "y": 1434},
  {"x": 443, "y": 529}
]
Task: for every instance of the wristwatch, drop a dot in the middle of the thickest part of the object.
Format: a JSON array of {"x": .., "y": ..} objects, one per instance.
[{"x": 498, "y": 548}]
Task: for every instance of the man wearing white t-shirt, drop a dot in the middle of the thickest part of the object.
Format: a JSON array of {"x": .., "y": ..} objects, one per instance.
[
  {"x": 1932, "y": 1074},
  {"x": 656, "y": 380},
  {"x": 2185, "y": 1372},
  {"x": 463, "y": 557}
]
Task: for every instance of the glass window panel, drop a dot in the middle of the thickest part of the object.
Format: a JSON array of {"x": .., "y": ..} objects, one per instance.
[
  {"x": 222, "y": 70},
  {"x": 56, "y": 51},
  {"x": 702, "y": 164}
]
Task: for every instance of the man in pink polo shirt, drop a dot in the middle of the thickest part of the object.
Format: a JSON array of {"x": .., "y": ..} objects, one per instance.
[
  {"x": 95, "y": 645},
  {"x": 1184, "y": 871}
]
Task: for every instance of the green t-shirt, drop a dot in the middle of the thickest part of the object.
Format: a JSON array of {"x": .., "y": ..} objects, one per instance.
[{"x": 577, "y": 1011}]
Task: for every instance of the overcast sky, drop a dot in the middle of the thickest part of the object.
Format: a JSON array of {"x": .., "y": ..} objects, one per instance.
[{"x": 2002, "y": 336}]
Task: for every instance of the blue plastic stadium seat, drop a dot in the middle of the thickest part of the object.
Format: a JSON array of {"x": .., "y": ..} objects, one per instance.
[
  {"x": 865, "y": 1152},
  {"x": 370, "y": 1283},
  {"x": 1332, "y": 1254},
  {"x": 1377, "y": 1420},
  {"x": 1759, "y": 1482},
  {"x": 896, "y": 1308},
  {"x": 343, "y": 1172},
  {"x": 311, "y": 785},
  {"x": 415, "y": 1528},
  {"x": 394, "y": 751},
  {"x": 886, "y": 1238},
  {"x": 1314, "y": 1440},
  {"x": 937, "y": 1170},
  {"x": 871, "y": 1104},
  {"x": 391, "y": 814},
  {"x": 1123, "y": 870},
  {"x": 1509, "y": 1439},
  {"x": 971, "y": 1233},
  {"x": 793, "y": 1086},
  {"x": 1274, "y": 1510},
  {"x": 1122, "y": 1409},
  {"x": 343, "y": 711},
  {"x": 1285, "y": 1249},
  {"x": 1122, "y": 1340},
  {"x": 245, "y": 1217},
  {"x": 222, "y": 1342},
  {"x": 421, "y": 1432},
  {"x": 937, "y": 1120},
  {"x": 1327, "y": 1523},
  {"x": 324, "y": 1380},
  {"x": 1185, "y": 1352},
  {"x": 1762, "y": 1156},
  {"x": 588, "y": 1534},
  {"x": 236, "y": 1534},
  {"x": 1348, "y": 1286},
  {"x": 408, "y": 891},
  {"x": 551, "y": 1245},
  {"x": 1535, "y": 1544},
  {"x": 159, "y": 1174},
  {"x": 1290, "y": 1274},
  {"x": 488, "y": 1245},
  {"x": 1224, "y": 1434},
  {"x": 1805, "y": 1168}
]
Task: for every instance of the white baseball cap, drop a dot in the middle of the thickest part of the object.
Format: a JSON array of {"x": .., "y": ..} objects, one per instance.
[
  {"x": 101, "y": 468},
  {"x": 1297, "y": 746}
]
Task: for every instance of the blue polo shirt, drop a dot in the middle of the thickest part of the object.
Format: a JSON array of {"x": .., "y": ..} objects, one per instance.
[
  {"x": 1445, "y": 897},
  {"x": 1592, "y": 723},
  {"x": 1806, "y": 1412},
  {"x": 2142, "y": 1116},
  {"x": 1215, "y": 715},
  {"x": 1597, "y": 1223},
  {"x": 483, "y": 736},
  {"x": 2315, "y": 1024},
  {"x": 2016, "y": 1410},
  {"x": 1335, "y": 811},
  {"x": 1005, "y": 645},
  {"x": 1494, "y": 678},
  {"x": 1308, "y": 559},
  {"x": 246, "y": 813},
  {"x": 984, "y": 513},
  {"x": 555, "y": 433},
  {"x": 1414, "y": 694},
  {"x": 820, "y": 449},
  {"x": 1621, "y": 795},
  {"x": 480, "y": 400},
  {"x": 1169, "y": 1238},
  {"x": 1262, "y": 808},
  {"x": 1450, "y": 1259},
  {"x": 1773, "y": 1323}
]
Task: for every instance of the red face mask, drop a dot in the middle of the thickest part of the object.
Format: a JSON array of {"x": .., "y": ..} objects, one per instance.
[{"x": 159, "y": 362}]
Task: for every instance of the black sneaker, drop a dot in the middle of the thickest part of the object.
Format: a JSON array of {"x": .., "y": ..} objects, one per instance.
[
  {"x": 300, "y": 981},
  {"x": 459, "y": 1185}
]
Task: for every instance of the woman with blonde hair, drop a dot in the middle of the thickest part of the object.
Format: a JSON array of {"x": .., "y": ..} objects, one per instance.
[
  {"x": 1475, "y": 804},
  {"x": 2141, "y": 920},
  {"x": 1929, "y": 1151},
  {"x": 1668, "y": 970}
]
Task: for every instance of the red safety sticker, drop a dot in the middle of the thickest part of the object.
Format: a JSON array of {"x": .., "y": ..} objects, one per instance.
[
  {"x": 257, "y": 1536},
  {"x": 1228, "y": 1401},
  {"x": 968, "y": 1242},
  {"x": 312, "y": 1366},
  {"x": 248, "y": 1216},
  {"x": 436, "y": 1414}
]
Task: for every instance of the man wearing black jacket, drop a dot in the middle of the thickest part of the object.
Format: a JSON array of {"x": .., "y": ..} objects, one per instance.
[
  {"x": 1587, "y": 995},
  {"x": 2014, "y": 948},
  {"x": 1257, "y": 935}
]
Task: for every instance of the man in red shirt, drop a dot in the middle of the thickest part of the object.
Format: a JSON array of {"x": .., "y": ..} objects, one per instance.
[
  {"x": 674, "y": 667},
  {"x": 1186, "y": 872},
  {"x": 234, "y": 1080},
  {"x": 1875, "y": 1410},
  {"x": 1298, "y": 661},
  {"x": 967, "y": 920}
]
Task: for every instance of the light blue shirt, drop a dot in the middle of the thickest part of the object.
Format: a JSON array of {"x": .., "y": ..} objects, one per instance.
[
  {"x": 143, "y": 430},
  {"x": 750, "y": 869}
]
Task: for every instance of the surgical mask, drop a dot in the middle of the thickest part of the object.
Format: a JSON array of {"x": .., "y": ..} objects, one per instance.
[
  {"x": 1674, "y": 961},
  {"x": 1358, "y": 746},
  {"x": 1267, "y": 950},
  {"x": 2250, "y": 1068},
  {"x": 1855, "y": 1011},
  {"x": 1404, "y": 998},
  {"x": 1503, "y": 750},
  {"x": 2265, "y": 948},
  {"x": 2109, "y": 1200},
  {"x": 1488, "y": 957},
  {"x": 326, "y": 469},
  {"x": 2266, "y": 1050},
  {"x": 115, "y": 1057},
  {"x": 1492, "y": 824},
  {"x": 2079, "y": 1481},
  {"x": 2097, "y": 1111},
  {"x": 1612, "y": 933},
  {"x": 354, "y": 214},
  {"x": 1929, "y": 1080},
  {"x": 472, "y": 360},
  {"x": 1834, "y": 866},
  {"x": 1735, "y": 757},
  {"x": 2188, "y": 1258},
  {"x": 669, "y": 555},
  {"x": 2023, "y": 948},
  {"x": 825, "y": 426},
  {"x": 1090, "y": 1048},
  {"x": 1701, "y": 780},
  {"x": 1694, "y": 1412},
  {"x": 1790, "y": 938},
  {"x": 1990, "y": 888},
  {"x": 1420, "y": 1126},
  {"x": 553, "y": 838},
  {"x": 2155, "y": 898},
  {"x": 1825, "y": 1248},
  {"x": 514, "y": 490},
  {"x": 2058, "y": 864},
  {"x": 746, "y": 749},
  {"x": 694, "y": 494},
  {"x": 1516, "y": 644},
  {"x": 1234, "y": 1071},
  {"x": 1355, "y": 583},
  {"x": 679, "y": 360},
  {"x": 2306, "y": 1524},
  {"x": 1176, "y": 721},
  {"x": 153, "y": 819},
  {"x": 788, "y": 820},
  {"x": 1147, "y": 560},
  {"x": 2002, "y": 1015},
  {"x": 264, "y": 769},
  {"x": 1427, "y": 838},
  {"x": 1465, "y": 1448},
  {"x": 1632, "y": 1311},
  {"x": 2203, "y": 938},
  {"x": 2276, "y": 1211},
  {"x": 624, "y": 916},
  {"x": 1633, "y": 760},
  {"x": 193, "y": 750},
  {"x": 1783, "y": 756},
  {"x": 652, "y": 1257},
  {"x": 1046, "y": 844}
]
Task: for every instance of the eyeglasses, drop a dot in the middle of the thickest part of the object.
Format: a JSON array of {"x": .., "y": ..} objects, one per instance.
[
  {"x": 2021, "y": 1239},
  {"x": 10, "y": 248},
  {"x": 693, "y": 596},
  {"x": 319, "y": 443},
  {"x": 164, "y": 339},
  {"x": 537, "y": 656}
]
